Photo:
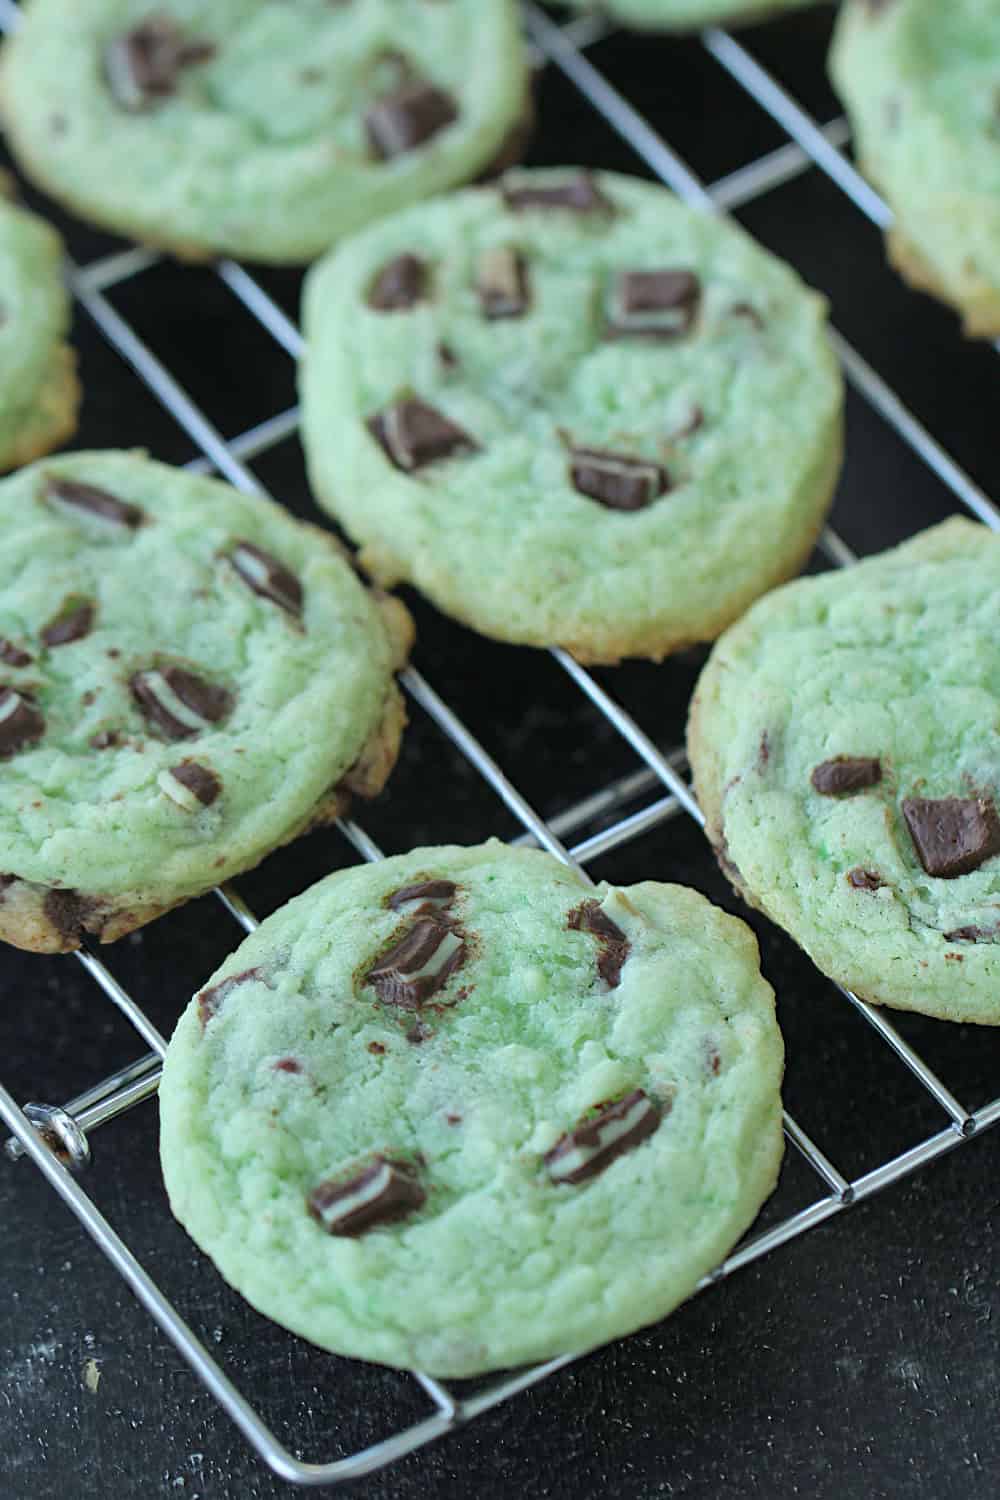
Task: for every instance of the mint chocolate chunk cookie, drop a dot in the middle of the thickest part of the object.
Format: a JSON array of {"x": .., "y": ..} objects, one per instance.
[
  {"x": 688, "y": 15},
  {"x": 844, "y": 744},
  {"x": 188, "y": 678},
  {"x": 458, "y": 1110},
  {"x": 919, "y": 81},
  {"x": 258, "y": 128},
  {"x": 39, "y": 391},
  {"x": 571, "y": 410}
]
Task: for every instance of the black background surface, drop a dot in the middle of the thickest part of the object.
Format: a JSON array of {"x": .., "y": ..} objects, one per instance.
[{"x": 859, "y": 1360}]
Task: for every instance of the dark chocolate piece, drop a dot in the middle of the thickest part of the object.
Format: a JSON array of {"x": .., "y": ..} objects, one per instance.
[
  {"x": 418, "y": 965},
  {"x": 971, "y": 935},
  {"x": 384, "y": 1190},
  {"x": 616, "y": 480},
  {"x": 502, "y": 283},
  {"x": 21, "y": 722},
  {"x": 179, "y": 703},
  {"x": 865, "y": 880},
  {"x": 400, "y": 285},
  {"x": 287, "y": 1065},
  {"x": 72, "y": 623},
  {"x": 376, "y": 1049},
  {"x": 94, "y": 502},
  {"x": 267, "y": 577},
  {"x": 846, "y": 774},
  {"x": 104, "y": 739},
  {"x": 598, "y": 1138},
  {"x": 142, "y": 65},
  {"x": 68, "y": 912},
  {"x": 430, "y": 893},
  {"x": 407, "y": 118},
  {"x": 13, "y": 655},
  {"x": 653, "y": 304},
  {"x": 614, "y": 945},
  {"x": 413, "y": 435},
  {"x": 199, "y": 780},
  {"x": 952, "y": 835},
  {"x": 577, "y": 195},
  {"x": 211, "y": 999}
]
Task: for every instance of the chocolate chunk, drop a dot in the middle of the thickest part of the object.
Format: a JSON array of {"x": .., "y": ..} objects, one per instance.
[
  {"x": 211, "y": 999},
  {"x": 971, "y": 935},
  {"x": 104, "y": 739},
  {"x": 407, "y": 117},
  {"x": 846, "y": 774},
  {"x": 179, "y": 703},
  {"x": 502, "y": 283},
  {"x": 952, "y": 835},
  {"x": 653, "y": 304},
  {"x": 426, "y": 894},
  {"x": 68, "y": 912},
  {"x": 376, "y": 1049},
  {"x": 21, "y": 722},
  {"x": 615, "y": 946},
  {"x": 598, "y": 1138},
  {"x": 72, "y": 623},
  {"x": 142, "y": 65},
  {"x": 413, "y": 435},
  {"x": 13, "y": 655},
  {"x": 615, "y": 480},
  {"x": 190, "y": 785},
  {"x": 418, "y": 965},
  {"x": 577, "y": 195},
  {"x": 400, "y": 285},
  {"x": 447, "y": 356},
  {"x": 287, "y": 1065},
  {"x": 385, "y": 1190},
  {"x": 418, "y": 1032},
  {"x": 267, "y": 577},
  {"x": 865, "y": 880},
  {"x": 68, "y": 494}
]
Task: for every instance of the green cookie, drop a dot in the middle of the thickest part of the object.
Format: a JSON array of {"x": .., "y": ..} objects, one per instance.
[
  {"x": 259, "y": 128},
  {"x": 459, "y": 1111},
  {"x": 188, "y": 678},
  {"x": 572, "y": 410},
  {"x": 844, "y": 744},
  {"x": 919, "y": 81}
]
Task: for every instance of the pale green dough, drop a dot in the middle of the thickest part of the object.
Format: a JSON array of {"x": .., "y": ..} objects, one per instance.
[
  {"x": 101, "y": 826},
  {"x": 501, "y": 539},
  {"x": 895, "y": 658},
  {"x": 688, "y": 15},
  {"x": 260, "y": 151},
  {"x": 501, "y": 1265},
  {"x": 919, "y": 80},
  {"x": 39, "y": 393}
]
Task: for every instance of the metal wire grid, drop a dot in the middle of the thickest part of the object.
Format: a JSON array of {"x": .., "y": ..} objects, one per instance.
[{"x": 55, "y": 1138}]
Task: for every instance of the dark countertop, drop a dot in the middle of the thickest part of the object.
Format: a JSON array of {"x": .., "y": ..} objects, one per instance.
[{"x": 857, "y": 1361}]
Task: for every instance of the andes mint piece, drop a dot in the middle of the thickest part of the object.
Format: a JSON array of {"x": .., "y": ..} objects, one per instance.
[
  {"x": 21, "y": 722},
  {"x": 865, "y": 880},
  {"x": 845, "y": 774},
  {"x": 428, "y": 893},
  {"x": 142, "y": 65},
  {"x": 211, "y": 999},
  {"x": 68, "y": 494},
  {"x": 407, "y": 117},
  {"x": 72, "y": 623},
  {"x": 577, "y": 195},
  {"x": 971, "y": 935},
  {"x": 502, "y": 283},
  {"x": 413, "y": 435},
  {"x": 952, "y": 835},
  {"x": 654, "y": 304},
  {"x": 287, "y": 1065},
  {"x": 267, "y": 577},
  {"x": 615, "y": 480},
  {"x": 595, "y": 1142},
  {"x": 179, "y": 703},
  {"x": 400, "y": 285},
  {"x": 68, "y": 912},
  {"x": 614, "y": 945},
  {"x": 190, "y": 785},
  {"x": 418, "y": 965},
  {"x": 385, "y": 1190},
  {"x": 13, "y": 655}
]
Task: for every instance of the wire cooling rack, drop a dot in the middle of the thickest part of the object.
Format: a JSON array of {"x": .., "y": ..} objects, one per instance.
[{"x": 55, "y": 1137}]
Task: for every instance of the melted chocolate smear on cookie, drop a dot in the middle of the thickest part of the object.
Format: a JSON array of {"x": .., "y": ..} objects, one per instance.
[
  {"x": 94, "y": 502},
  {"x": 654, "y": 304},
  {"x": 400, "y": 285},
  {"x": 179, "y": 703},
  {"x": 845, "y": 774},
  {"x": 69, "y": 913},
  {"x": 143, "y": 65},
  {"x": 594, "y": 1143},
  {"x": 418, "y": 965},
  {"x": 616, "y": 481},
  {"x": 502, "y": 283},
  {"x": 385, "y": 1190},
  {"x": 13, "y": 655},
  {"x": 425, "y": 895},
  {"x": 72, "y": 623},
  {"x": 577, "y": 195},
  {"x": 210, "y": 1000},
  {"x": 952, "y": 835},
  {"x": 268, "y": 577},
  {"x": 614, "y": 945},
  {"x": 199, "y": 780},
  {"x": 406, "y": 118},
  {"x": 413, "y": 435},
  {"x": 21, "y": 722}
]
